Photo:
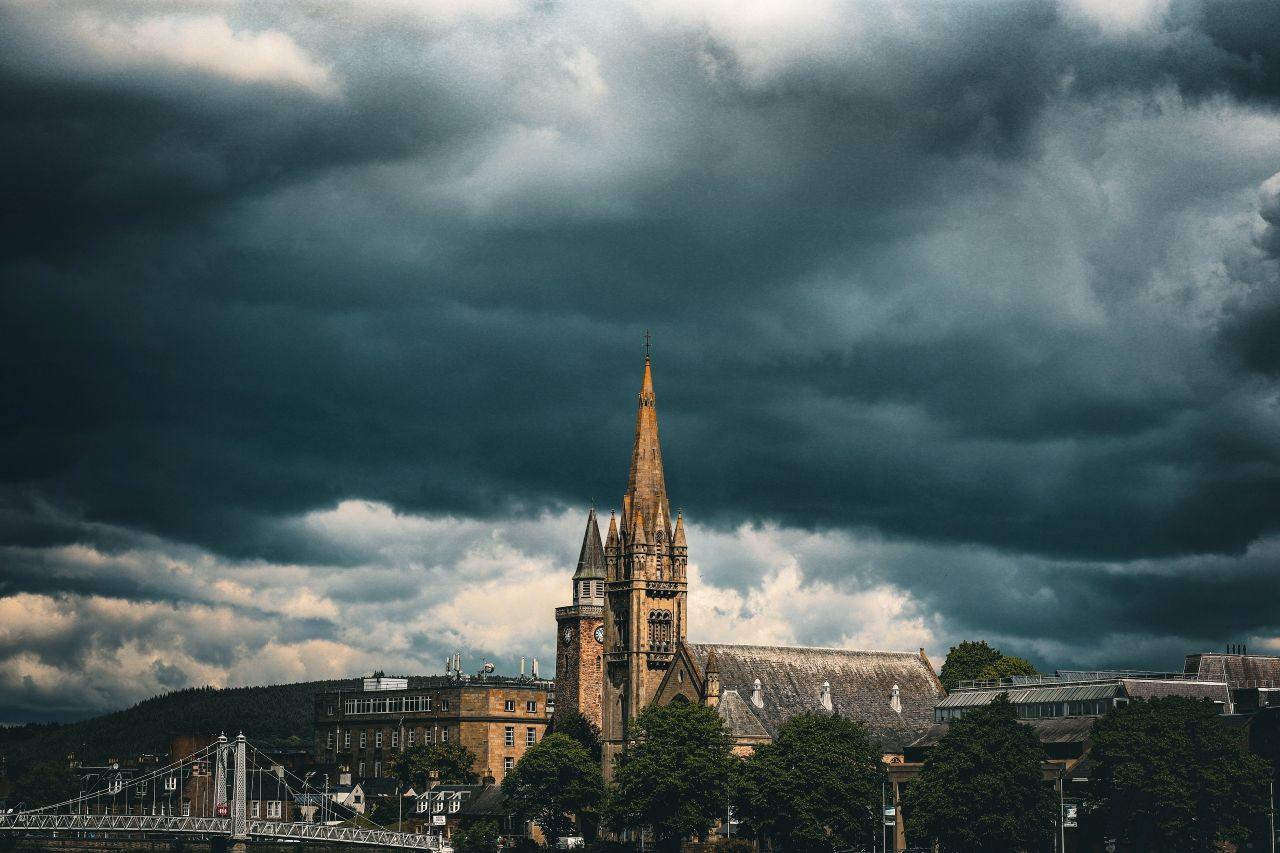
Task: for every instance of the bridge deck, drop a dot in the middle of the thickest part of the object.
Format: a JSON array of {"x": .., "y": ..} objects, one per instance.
[{"x": 256, "y": 829}]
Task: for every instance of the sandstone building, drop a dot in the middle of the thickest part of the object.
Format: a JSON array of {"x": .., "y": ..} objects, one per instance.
[{"x": 496, "y": 717}]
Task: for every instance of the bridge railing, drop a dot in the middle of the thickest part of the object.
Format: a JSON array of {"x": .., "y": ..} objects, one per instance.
[
  {"x": 52, "y": 822},
  {"x": 342, "y": 834}
]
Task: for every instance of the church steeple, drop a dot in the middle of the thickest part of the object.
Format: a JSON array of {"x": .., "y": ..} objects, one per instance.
[
  {"x": 591, "y": 558},
  {"x": 646, "y": 485}
]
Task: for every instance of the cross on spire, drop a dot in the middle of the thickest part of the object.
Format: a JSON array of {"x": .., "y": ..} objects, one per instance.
[{"x": 647, "y": 338}]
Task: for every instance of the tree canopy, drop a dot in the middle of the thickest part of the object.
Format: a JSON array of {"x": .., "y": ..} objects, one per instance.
[
  {"x": 452, "y": 761},
  {"x": 977, "y": 660},
  {"x": 576, "y": 725},
  {"x": 981, "y": 789},
  {"x": 1007, "y": 667},
  {"x": 674, "y": 775},
  {"x": 552, "y": 782},
  {"x": 47, "y": 783},
  {"x": 481, "y": 837},
  {"x": 816, "y": 788},
  {"x": 1171, "y": 777}
]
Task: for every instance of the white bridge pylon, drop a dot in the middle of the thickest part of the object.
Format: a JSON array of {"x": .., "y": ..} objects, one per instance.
[{"x": 227, "y": 818}]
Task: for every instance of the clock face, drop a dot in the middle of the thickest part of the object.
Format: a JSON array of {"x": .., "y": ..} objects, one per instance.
[
  {"x": 600, "y": 634},
  {"x": 568, "y": 634}
]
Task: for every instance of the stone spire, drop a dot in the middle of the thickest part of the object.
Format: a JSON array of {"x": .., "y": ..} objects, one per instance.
[
  {"x": 678, "y": 539},
  {"x": 646, "y": 486},
  {"x": 591, "y": 560}
]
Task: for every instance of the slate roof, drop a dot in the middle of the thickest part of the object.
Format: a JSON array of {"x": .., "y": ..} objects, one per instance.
[
  {"x": 591, "y": 558},
  {"x": 738, "y": 716},
  {"x": 380, "y": 787},
  {"x": 1139, "y": 688},
  {"x": 488, "y": 802},
  {"x": 861, "y": 687},
  {"x": 1236, "y": 670}
]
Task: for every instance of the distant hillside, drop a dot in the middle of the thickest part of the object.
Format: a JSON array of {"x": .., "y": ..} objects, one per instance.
[{"x": 279, "y": 715}]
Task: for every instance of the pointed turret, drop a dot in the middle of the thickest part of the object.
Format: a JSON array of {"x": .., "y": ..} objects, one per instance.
[
  {"x": 612, "y": 541},
  {"x": 591, "y": 560},
  {"x": 677, "y": 539},
  {"x": 646, "y": 485}
]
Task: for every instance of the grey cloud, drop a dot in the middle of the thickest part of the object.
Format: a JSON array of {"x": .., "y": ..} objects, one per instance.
[{"x": 992, "y": 285}]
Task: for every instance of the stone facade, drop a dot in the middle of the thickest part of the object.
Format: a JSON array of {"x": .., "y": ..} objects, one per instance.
[
  {"x": 580, "y": 632},
  {"x": 497, "y": 718}
]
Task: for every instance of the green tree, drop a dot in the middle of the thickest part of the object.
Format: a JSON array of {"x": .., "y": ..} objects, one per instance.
[
  {"x": 481, "y": 837},
  {"x": 815, "y": 788},
  {"x": 1007, "y": 667},
  {"x": 673, "y": 777},
  {"x": 47, "y": 783},
  {"x": 452, "y": 761},
  {"x": 1171, "y": 777},
  {"x": 966, "y": 662},
  {"x": 553, "y": 781},
  {"x": 981, "y": 789},
  {"x": 576, "y": 725}
]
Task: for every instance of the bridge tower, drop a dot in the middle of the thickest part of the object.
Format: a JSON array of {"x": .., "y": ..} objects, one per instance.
[
  {"x": 220, "y": 776},
  {"x": 239, "y": 806}
]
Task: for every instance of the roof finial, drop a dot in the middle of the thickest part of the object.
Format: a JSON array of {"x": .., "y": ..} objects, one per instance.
[{"x": 647, "y": 343}]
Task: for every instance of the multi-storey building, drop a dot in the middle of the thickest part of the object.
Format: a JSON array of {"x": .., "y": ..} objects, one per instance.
[{"x": 496, "y": 717}]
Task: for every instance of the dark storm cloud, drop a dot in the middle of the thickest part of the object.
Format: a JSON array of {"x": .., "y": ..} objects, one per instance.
[{"x": 986, "y": 277}]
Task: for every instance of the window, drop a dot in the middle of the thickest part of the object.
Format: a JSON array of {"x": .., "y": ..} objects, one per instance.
[
  {"x": 364, "y": 737},
  {"x": 444, "y": 735},
  {"x": 439, "y": 806},
  {"x": 328, "y": 710},
  {"x": 444, "y": 704},
  {"x": 412, "y": 732},
  {"x": 509, "y": 736},
  {"x": 377, "y": 769},
  {"x": 255, "y": 809},
  {"x": 509, "y": 706},
  {"x": 362, "y": 768},
  {"x": 377, "y": 739},
  {"x": 508, "y": 764},
  {"x": 171, "y": 783},
  {"x": 328, "y": 743},
  {"x": 114, "y": 786},
  {"x": 531, "y": 707},
  {"x": 530, "y": 736},
  {"x": 346, "y": 739},
  {"x": 660, "y": 631},
  {"x": 599, "y": 589},
  {"x": 395, "y": 739},
  {"x": 186, "y": 808},
  {"x": 454, "y": 804},
  {"x": 274, "y": 808},
  {"x": 422, "y": 804}
]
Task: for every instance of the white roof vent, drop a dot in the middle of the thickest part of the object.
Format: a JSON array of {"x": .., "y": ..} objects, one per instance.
[
  {"x": 757, "y": 695},
  {"x": 825, "y": 696},
  {"x": 895, "y": 700}
]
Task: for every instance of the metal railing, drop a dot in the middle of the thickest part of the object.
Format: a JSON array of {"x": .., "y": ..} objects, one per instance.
[
  {"x": 39, "y": 821},
  {"x": 342, "y": 834},
  {"x": 263, "y": 829}
]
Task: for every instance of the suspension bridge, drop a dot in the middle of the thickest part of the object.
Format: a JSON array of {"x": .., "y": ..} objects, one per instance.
[{"x": 189, "y": 798}]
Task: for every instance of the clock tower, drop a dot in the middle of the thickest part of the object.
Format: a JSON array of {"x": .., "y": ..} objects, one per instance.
[{"x": 580, "y": 632}]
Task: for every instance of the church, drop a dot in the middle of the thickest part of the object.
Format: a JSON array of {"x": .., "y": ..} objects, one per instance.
[{"x": 623, "y": 642}]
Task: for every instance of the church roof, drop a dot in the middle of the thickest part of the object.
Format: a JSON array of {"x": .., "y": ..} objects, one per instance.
[
  {"x": 861, "y": 686},
  {"x": 739, "y": 718},
  {"x": 591, "y": 560}
]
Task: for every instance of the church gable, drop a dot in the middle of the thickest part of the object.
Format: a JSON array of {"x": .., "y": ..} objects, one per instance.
[{"x": 683, "y": 679}]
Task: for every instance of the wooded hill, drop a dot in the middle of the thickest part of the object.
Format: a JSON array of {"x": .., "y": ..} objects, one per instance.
[{"x": 280, "y": 715}]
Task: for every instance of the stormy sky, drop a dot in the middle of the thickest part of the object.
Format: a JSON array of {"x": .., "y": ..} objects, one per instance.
[{"x": 320, "y": 328}]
